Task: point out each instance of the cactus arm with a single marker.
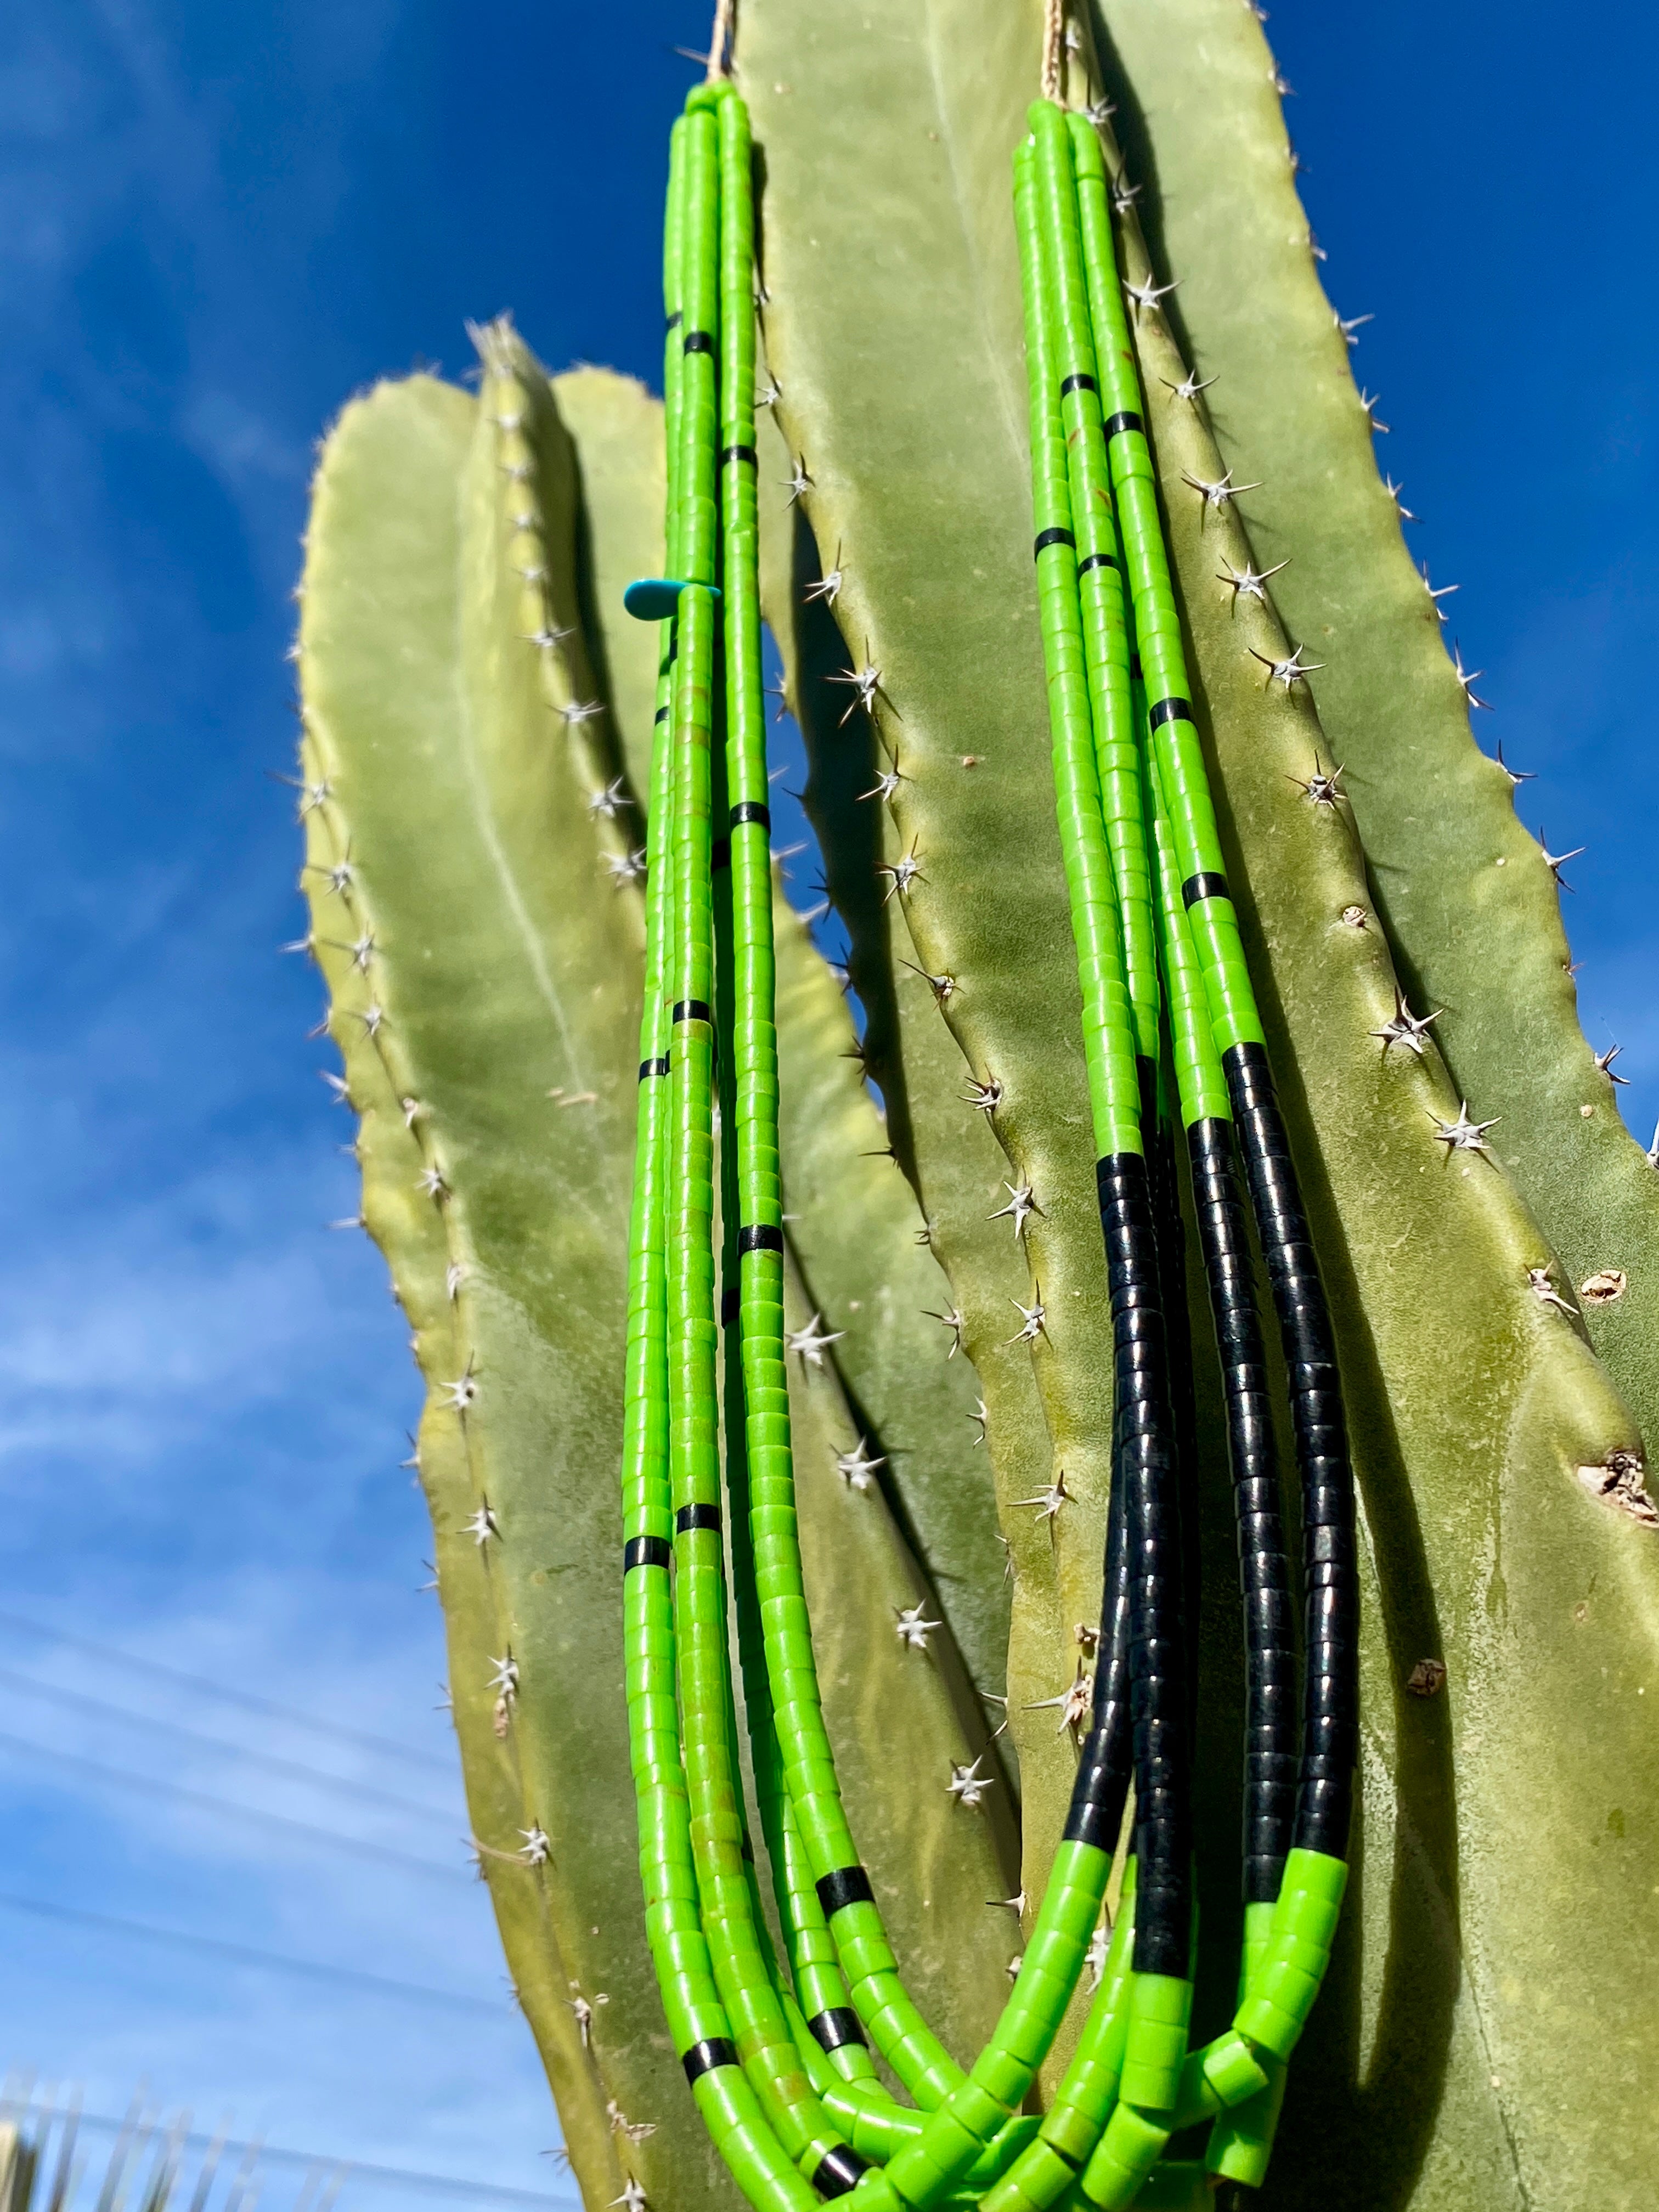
(1471, 910)
(387, 521)
(495, 965)
(1476, 1482)
(505, 990)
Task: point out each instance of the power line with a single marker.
(438, 2183)
(154, 1788)
(245, 1954)
(247, 1699)
(294, 1769)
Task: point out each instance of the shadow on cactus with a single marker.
(1173, 1423)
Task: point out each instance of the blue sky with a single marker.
(215, 224)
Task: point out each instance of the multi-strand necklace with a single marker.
(781, 2049)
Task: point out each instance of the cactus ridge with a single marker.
(1465, 893)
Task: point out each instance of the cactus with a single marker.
(1436, 818)
(475, 766)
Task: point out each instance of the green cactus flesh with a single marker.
(1469, 904)
(484, 985)
(1444, 2067)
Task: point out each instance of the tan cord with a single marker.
(719, 39)
(1054, 46)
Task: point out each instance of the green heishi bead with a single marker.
(1241, 2142)
(1200, 1084)
(1160, 2006)
(956, 2136)
(1213, 924)
(1042, 2175)
(739, 1949)
(1281, 1991)
(1128, 2151)
(1109, 1032)
(668, 1401)
(1099, 560)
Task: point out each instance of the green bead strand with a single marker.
(1109, 1032)
(697, 2019)
(1156, 620)
(749, 1078)
(1073, 387)
(1202, 1087)
(737, 1947)
(1049, 2169)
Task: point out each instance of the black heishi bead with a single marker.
(703, 2058)
(836, 2026)
(837, 2171)
(846, 1886)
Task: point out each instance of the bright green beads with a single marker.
(777, 2049)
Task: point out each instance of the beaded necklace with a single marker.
(778, 2049)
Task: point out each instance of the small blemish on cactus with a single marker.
(1606, 1284)
(1426, 1679)
(1617, 1481)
